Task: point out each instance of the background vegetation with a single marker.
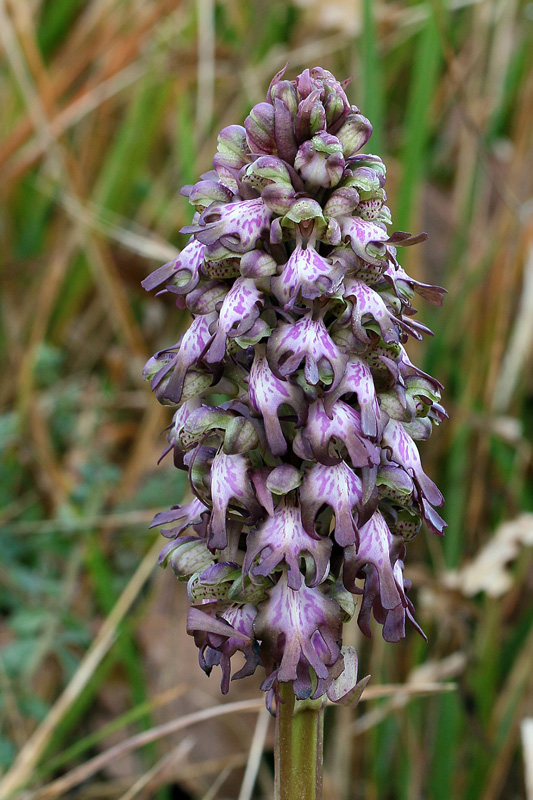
(108, 107)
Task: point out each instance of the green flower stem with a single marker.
(299, 747)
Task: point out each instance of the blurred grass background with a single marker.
(108, 107)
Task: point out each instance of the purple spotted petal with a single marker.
(237, 226)
(403, 451)
(299, 627)
(325, 435)
(338, 487)
(308, 273)
(375, 546)
(181, 275)
(366, 239)
(407, 370)
(267, 393)
(229, 482)
(191, 348)
(239, 312)
(358, 379)
(283, 538)
(367, 303)
(308, 339)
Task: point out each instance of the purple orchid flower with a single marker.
(306, 476)
(282, 537)
(307, 340)
(267, 393)
(307, 621)
(308, 274)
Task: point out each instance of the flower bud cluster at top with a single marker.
(297, 405)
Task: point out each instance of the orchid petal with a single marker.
(375, 545)
(240, 310)
(341, 489)
(308, 273)
(307, 339)
(229, 481)
(267, 393)
(182, 274)
(283, 538)
(358, 378)
(323, 434)
(287, 623)
(237, 226)
(368, 303)
(191, 349)
(405, 453)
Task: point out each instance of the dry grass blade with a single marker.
(37, 98)
(89, 768)
(520, 344)
(146, 782)
(75, 524)
(256, 753)
(30, 755)
(217, 784)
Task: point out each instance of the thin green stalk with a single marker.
(299, 748)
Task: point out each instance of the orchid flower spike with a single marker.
(306, 480)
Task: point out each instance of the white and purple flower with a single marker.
(307, 480)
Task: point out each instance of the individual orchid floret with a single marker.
(367, 304)
(307, 340)
(296, 406)
(181, 275)
(366, 239)
(374, 549)
(229, 482)
(191, 514)
(237, 226)
(186, 556)
(190, 350)
(299, 629)
(354, 133)
(404, 452)
(308, 274)
(219, 637)
(324, 436)
(358, 380)
(340, 488)
(240, 310)
(283, 538)
(267, 393)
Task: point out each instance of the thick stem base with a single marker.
(299, 747)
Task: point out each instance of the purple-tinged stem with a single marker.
(299, 747)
